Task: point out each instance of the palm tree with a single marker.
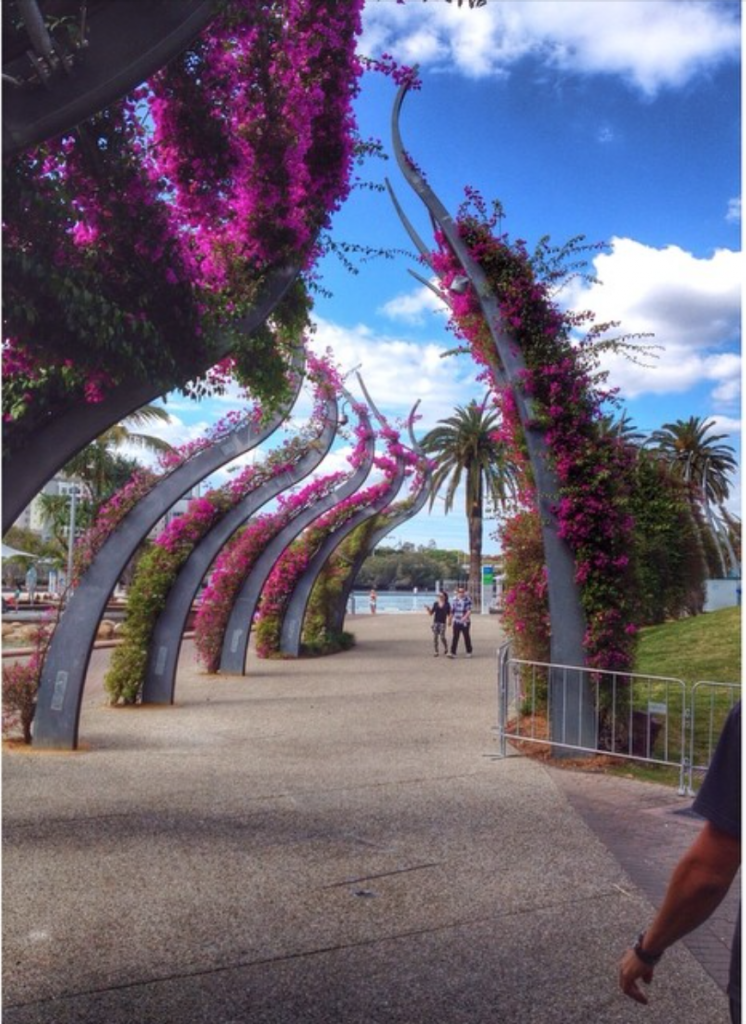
(101, 468)
(466, 449)
(621, 428)
(100, 464)
(697, 458)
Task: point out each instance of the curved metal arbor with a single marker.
(566, 612)
(238, 630)
(160, 673)
(25, 472)
(295, 613)
(49, 88)
(62, 681)
(339, 610)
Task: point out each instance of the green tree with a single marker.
(466, 449)
(101, 466)
(669, 560)
(100, 469)
(694, 455)
(406, 567)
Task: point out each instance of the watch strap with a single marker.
(648, 958)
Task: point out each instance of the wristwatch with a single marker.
(648, 958)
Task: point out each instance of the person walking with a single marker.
(460, 620)
(440, 612)
(373, 601)
(703, 875)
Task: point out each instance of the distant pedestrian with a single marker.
(373, 601)
(703, 875)
(460, 620)
(440, 612)
(32, 580)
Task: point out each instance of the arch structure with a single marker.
(573, 717)
(62, 680)
(160, 673)
(390, 520)
(51, 84)
(291, 631)
(26, 471)
(285, 530)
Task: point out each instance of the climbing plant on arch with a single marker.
(148, 655)
(544, 384)
(323, 624)
(229, 604)
(155, 239)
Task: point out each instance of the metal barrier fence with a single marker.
(710, 703)
(627, 715)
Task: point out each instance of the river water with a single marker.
(391, 601)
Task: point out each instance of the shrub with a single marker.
(20, 686)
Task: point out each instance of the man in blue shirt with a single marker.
(461, 621)
(703, 875)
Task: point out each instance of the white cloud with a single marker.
(692, 307)
(654, 45)
(726, 425)
(397, 372)
(176, 432)
(415, 306)
(733, 216)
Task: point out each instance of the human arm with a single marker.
(697, 886)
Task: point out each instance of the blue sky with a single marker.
(615, 119)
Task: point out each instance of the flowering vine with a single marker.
(295, 560)
(239, 556)
(146, 234)
(321, 634)
(142, 481)
(159, 567)
(566, 395)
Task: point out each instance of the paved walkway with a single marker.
(331, 840)
(647, 827)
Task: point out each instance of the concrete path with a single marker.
(323, 841)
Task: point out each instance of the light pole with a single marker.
(71, 538)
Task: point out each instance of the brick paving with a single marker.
(647, 827)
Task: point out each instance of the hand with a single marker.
(632, 970)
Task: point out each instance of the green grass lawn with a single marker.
(703, 647)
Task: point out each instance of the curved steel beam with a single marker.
(60, 695)
(442, 295)
(295, 613)
(238, 630)
(127, 47)
(410, 228)
(567, 618)
(26, 471)
(163, 660)
(61, 438)
(339, 610)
